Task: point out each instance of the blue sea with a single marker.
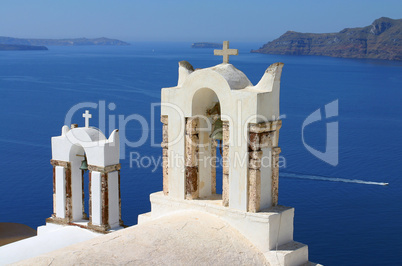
(343, 223)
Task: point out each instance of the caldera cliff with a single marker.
(380, 40)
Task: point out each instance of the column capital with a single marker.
(60, 163)
(164, 119)
(104, 169)
(265, 126)
(276, 151)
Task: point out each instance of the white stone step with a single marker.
(290, 254)
(48, 228)
(144, 217)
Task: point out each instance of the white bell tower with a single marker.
(223, 98)
(80, 149)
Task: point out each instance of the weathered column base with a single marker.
(98, 228)
(191, 182)
(225, 190)
(57, 220)
(104, 229)
(254, 188)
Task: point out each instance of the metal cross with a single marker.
(225, 52)
(87, 116)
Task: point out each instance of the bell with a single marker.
(217, 130)
(84, 165)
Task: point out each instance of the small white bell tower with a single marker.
(80, 149)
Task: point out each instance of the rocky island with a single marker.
(61, 42)
(380, 40)
(17, 47)
(206, 45)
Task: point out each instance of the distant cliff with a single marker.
(17, 47)
(206, 45)
(61, 42)
(381, 40)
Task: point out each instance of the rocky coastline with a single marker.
(61, 42)
(380, 40)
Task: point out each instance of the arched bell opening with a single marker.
(79, 184)
(204, 172)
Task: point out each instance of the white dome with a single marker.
(86, 134)
(236, 79)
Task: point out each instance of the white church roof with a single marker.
(237, 79)
(88, 134)
(185, 238)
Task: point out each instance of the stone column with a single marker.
(69, 200)
(275, 151)
(165, 154)
(254, 173)
(275, 174)
(263, 136)
(225, 160)
(105, 201)
(103, 174)
(191, 158)
(68, 214)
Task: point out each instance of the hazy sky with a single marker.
(191, 20)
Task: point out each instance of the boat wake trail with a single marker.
(332, 179)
